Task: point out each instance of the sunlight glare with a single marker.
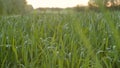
(57, 3)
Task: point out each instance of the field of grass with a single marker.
(56, 40)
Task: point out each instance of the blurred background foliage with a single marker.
(11, 7)
(8, 7)
(96, 5)
(104, 3)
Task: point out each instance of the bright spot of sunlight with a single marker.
(57, 3)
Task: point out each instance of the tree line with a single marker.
(97, 5)
(105, 3)
(14, 7)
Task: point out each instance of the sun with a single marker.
(57, 3)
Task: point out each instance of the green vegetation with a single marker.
(60, 40)
(12, 7)
(105, 3)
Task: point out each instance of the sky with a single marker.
(57, 3)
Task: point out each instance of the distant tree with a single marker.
(29, 8)
(93, 6)
(113, 4)
(97, 3)
(1, 9)
(80, 8)
(12, 6)
(104, 3)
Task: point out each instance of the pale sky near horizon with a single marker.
(57, 3)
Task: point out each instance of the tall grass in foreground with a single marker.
(48, 40)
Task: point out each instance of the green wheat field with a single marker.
(60, 40)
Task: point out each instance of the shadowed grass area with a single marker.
(71, 40)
